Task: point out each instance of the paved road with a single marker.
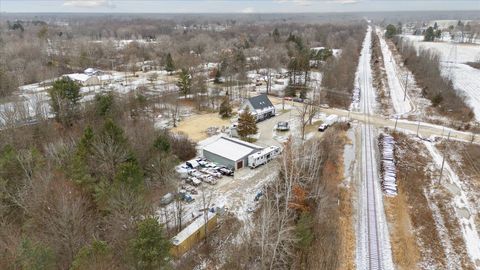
(425, 130)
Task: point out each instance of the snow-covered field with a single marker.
(449, 51)
(454, 56)
(466, 79)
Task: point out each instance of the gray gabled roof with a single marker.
(260, 102)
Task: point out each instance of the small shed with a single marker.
(260, 106)
(192, 234)
(230, 152)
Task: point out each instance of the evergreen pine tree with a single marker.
(247, 124)
(64, 98)
(429, 34)
(169, 65)
(218, 74)
(391, 31)
(150, 247)
(225, 108)
(184, 82)
(276, 35)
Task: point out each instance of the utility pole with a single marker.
(443, 161)
(406, 86)
(418, 127)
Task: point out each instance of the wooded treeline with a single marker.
(81, 194)
(339, 73)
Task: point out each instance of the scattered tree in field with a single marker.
(276, 35)
(42, 33)
(185, 82)
(64, 98)
(435, 26)
(152, 78)
(390, 31)
(150, 247)
(225, 108)
(247, 124)
(429, 34)
(169, 65)
(218, 75)
(200, 90)
(399, 28)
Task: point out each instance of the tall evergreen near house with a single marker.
(247, 124)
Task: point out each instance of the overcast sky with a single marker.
(230, 6)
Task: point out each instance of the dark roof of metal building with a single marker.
(260, 102)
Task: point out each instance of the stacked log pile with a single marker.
(388, 168)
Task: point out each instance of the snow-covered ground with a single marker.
(449, 51)
(466, 79)
(464, 212)
(401, 101)
(453, 58)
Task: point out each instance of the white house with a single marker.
(84, 79)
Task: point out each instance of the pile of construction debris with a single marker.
(388, 169)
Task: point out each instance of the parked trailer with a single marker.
(263, 156)
(331, 119)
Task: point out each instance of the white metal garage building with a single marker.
(230, 152)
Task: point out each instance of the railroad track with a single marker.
(369, 172)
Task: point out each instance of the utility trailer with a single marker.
(263, 156)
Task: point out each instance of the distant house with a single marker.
(260, 106)
(91, 71)
(84, 79)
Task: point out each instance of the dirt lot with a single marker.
(195, 126)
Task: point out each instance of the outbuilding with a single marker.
(192, 234)
(230, 152)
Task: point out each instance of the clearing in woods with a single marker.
(195, 126)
